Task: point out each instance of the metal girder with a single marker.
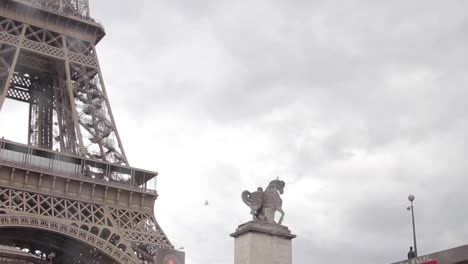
(73, 178)
(18, 94)
(86, 119)
(79, 8)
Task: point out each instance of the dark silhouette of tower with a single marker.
(70, 189)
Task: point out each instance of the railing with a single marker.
(75, 8)
(48, 160)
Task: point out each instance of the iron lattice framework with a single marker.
(79, 8)
(59, 76)
(72, 180)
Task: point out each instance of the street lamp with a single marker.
(411, 208)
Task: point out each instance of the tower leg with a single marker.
(8, 58)
(73, 108)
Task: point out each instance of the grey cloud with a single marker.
(356, 103)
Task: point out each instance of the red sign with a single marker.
(170, 259)
(430, 262)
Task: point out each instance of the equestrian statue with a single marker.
(264, 204)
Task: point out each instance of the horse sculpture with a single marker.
(264, 204)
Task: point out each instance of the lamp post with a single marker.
(411, 208)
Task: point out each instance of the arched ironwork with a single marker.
(35, 222)
(114, 252)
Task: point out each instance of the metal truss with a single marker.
(84, 236)
(71, 111)
(7, 53)
(113, 230)
(79, 8)
(73, 178)
(139, 227)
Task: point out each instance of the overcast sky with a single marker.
(354, 104)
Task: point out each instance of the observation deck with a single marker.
(62, 16)
(75, 167)
(77, 8)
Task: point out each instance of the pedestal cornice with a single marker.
(265, 228)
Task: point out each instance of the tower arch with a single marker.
(58, 236)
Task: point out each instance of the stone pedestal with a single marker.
(262, 243)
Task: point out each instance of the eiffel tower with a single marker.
(69, 195)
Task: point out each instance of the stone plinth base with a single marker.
(262, 243)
